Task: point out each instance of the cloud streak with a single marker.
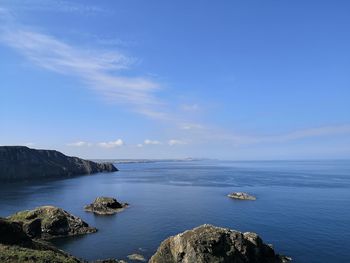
(99, 69)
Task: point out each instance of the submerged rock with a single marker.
(241, 196)
(105, 206)
(48, 222)
(209, 244)
(136, 257)
(23, 163)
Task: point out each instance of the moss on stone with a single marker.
(16, 254)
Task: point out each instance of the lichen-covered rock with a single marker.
(136, 257)
(209, 244)
(105, 206)
(241, 196)
(22, 163)
(54, 222)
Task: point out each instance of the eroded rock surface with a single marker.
(241, 196)
(209, 244)
(105, 206)
(48, 222)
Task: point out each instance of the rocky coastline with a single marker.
(18, 163)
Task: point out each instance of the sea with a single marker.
(302, 207)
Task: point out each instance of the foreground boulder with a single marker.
(105, 206)
(209, 244)
(48, 222)
(17, 247)
(22, 163)
(241, 196)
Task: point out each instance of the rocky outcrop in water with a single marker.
(241, 196)
(105, 206)
(23, 163)
(210, 244)
(17, 247)
(48, 222)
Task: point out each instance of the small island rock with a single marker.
(241, 196)
(48, 222)
(105, 206)
(136, 257)
(209, 244)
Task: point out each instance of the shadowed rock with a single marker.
(23, 163)
(241, 196)
(48, 222)
(209, 244)
(105, 206)
(17, 247)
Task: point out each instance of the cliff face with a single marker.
(20, 162)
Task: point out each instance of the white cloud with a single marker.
(139, 145)
(151, 142)
(29, 144)
(111, 144)
(79, 144)
(173, 142)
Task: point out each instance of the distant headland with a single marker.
(23, 163)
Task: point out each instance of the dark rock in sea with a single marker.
(105, 206)
(23, 163)
(209, 244)
(48, 222)
(17, 247)
(241, 196)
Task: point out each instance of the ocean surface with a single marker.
(302, 207)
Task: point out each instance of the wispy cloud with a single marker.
(111, 144)
(57, 6)
(190, 107)
(151, 142)
(100, 70)
(173, 142)
(79, 144)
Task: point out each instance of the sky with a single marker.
(235, 79)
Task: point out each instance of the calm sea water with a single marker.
(302, 207)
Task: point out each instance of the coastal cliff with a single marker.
(23, 163)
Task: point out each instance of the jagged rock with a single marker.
(54, 222)
(23, 163)
(136, 257)
(209, 244)
(241, 196)
(105, 206)
(17, 247)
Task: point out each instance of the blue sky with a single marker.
(174, 79)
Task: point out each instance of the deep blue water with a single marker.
(302, 207)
